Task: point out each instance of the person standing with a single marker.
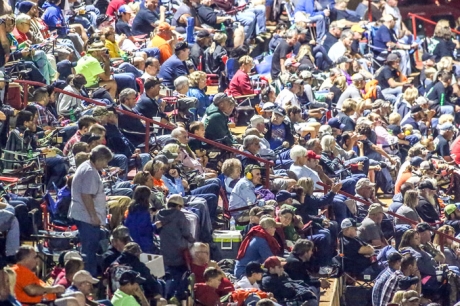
(88, 206)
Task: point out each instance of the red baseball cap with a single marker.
(272, 262)
(312, 154)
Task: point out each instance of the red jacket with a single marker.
(240, 85)
(206, 295)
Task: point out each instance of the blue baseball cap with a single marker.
(335, 123)
(125, 9)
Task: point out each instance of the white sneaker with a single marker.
(325, 270)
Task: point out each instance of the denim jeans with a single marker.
(121, 161)
(8, 222)
(392, 94)
(210, 193)
(90, 236)
(361, 159)
(322, 60)
(248, 20)
(34, 73)
(152, 52)
(320, 21)
(144, 159)
(259, 12)
(125, 80)
(129, 68)
(349, 184)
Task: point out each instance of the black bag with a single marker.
(355, 295)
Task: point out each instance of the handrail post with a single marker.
(414, 32)
(267, 175)
(25, 98)
(147, 137)
(369, 10)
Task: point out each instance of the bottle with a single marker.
(30, 154)
(72, 116)
(232, 224)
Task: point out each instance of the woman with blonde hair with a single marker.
(197, 86)
(305, 57)
(403, 107)
(408, 208)
(214, 63)
(444, 44)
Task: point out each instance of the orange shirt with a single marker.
(24, 278)
(166, 50)
(404, 177)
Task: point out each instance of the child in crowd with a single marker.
(206, 293)
(197, 146)
(254, 217)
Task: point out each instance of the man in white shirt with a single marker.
(341, 47)
(289, 94)
(303, 159)
(253, 275)
(152, 67)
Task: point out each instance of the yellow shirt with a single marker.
(114, 50)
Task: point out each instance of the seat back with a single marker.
(231, 67)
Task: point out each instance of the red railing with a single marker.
(442, 235)
(413, 18)
(149, 121)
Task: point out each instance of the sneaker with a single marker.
(259, 39)
(326, 270)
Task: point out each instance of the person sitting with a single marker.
(150, 13)
(428, 206)
(356, 253)
(130, 257)
(83, 282)
(315, 15)
(200, 262)
(89, 65)
(297, 266)
(71, 267)
(203, 41)
(68, 105)
(163, 40)
(288, 96)
(240, 85)
(370, 230)
(130, 291)
(175, 65)
(258, 245)
(152, 67)
(206, 293)
(278, 130)
(216, 119)
(391, 80)
(446, 134)
(148, 104)
(119, 239)
(253, 275)
(9, 224)
(243, 194)
(452, 214)
(29, 289)
(276, 281)
(341, 47)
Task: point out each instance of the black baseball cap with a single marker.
(254, 267)
(393, 257)
(131, 277)
(426, 184)
(421, 227)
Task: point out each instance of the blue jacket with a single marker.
(203, 100)
(54, 18)
(307, 6)
(141, 230)
(258, 250)
(171, 69)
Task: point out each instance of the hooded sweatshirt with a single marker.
(54, 18)
(216, 126)
(174, 236)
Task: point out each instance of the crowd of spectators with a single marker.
(345, 162)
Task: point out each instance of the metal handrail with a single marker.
(412, 222)
(266, 162)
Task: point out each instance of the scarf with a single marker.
(258, 231)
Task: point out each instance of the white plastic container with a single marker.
(228, 242)
(154, 263)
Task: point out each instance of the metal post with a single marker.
(147, 137)
(414, 32)
(369, 10)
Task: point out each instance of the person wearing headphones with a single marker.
(243, 194)
(288, 96)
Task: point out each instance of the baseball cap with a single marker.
(357, 28)
(102, 18)
(100, 111)
(344, 59)
(283, 195)
(88, 137)
(279, 111)
(268, 106)
(203, 34)
(392, 57)
(249, 168)
(311, 154)
(120, 232)
(291, 62)
(220, 97)
(394, 129)
(84, 276)
(421, 227)
(305, 74)
(426, 184)
(357, 77)
(72, 255)
(176, 199)
(426, 165)
(349, 222)
(257, 119)
(125, 9)
(171, 156)
(130, 277)
(254, 267)
(405, 283)
(449, 209)
(421, 100)
(415, 109)
(272, 262)
(393, 257)
(388, 17)
(335, 123)
(445, 126)
(375, 209)
(182, 45)
(364, 182)
(416, 161)
(428, 56)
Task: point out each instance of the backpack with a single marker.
(114, 273)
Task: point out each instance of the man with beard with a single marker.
(446, 132)
(428, 205)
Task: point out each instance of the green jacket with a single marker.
(216, 126)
